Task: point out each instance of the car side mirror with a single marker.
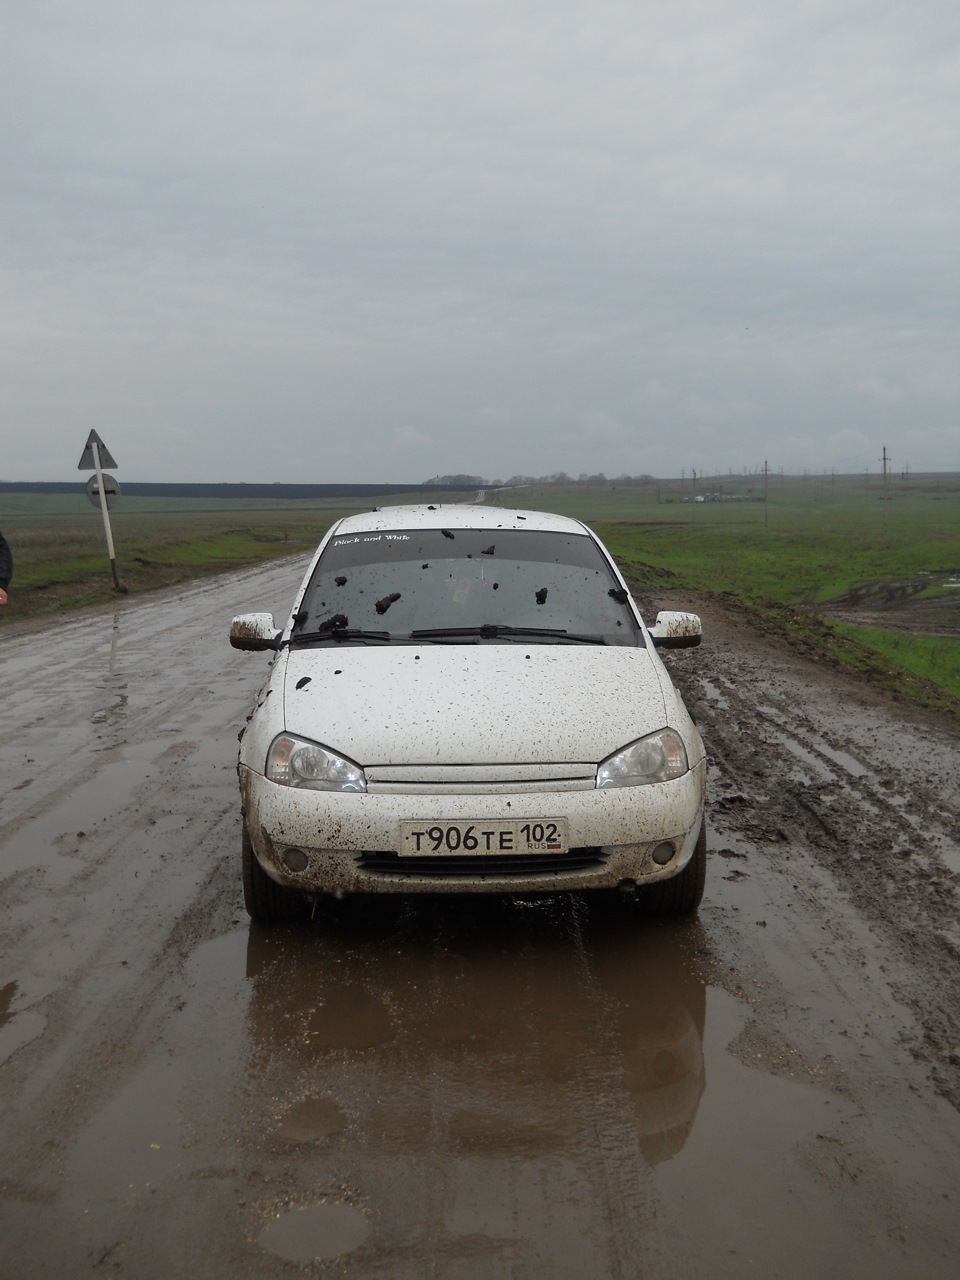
(254, 632)
(676, 630)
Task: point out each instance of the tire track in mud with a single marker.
(804, 759)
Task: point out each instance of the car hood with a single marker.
(472, 704)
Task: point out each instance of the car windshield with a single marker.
(464, 586)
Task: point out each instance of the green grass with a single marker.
(929, 657)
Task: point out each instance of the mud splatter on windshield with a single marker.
(440, 578)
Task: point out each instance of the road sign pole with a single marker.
(95, 448)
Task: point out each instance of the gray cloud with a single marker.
(361, 241)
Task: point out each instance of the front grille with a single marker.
(494, 865)
(379, 787)
(480, 779)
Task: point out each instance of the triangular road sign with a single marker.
(87, 462)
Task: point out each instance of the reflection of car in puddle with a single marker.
(493, 1030)
(660, 1009)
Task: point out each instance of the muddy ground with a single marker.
(925, 604)
(472, 1088)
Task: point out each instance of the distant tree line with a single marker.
(461, 481)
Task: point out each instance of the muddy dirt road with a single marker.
(468, 1088)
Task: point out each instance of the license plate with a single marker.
(517, 836)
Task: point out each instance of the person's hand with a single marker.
(3, 596)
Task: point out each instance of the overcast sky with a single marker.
(357, 240)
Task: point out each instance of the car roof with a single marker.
(458, 515)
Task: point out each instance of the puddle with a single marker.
(301, 1000)
(753, 1207)
(480, 1133)
(315, 1233)
(819, 772)
(349, 1017)
(310, 1120)
(715, 694)
(845, 761)
(115, 710)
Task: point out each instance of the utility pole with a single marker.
(885, 461)
(766, 472)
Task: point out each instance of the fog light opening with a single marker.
(663, 853)
(295, 860)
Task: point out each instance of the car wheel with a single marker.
(682, 894)
(265, 900)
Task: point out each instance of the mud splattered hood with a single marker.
(472, 703)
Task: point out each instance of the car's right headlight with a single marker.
(298, 762)
(658, 757)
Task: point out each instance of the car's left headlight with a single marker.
(658, 757)
(298, 762)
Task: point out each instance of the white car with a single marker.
(465, 699)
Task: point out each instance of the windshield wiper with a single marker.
(496, 630)
(340, 635)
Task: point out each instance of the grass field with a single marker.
(931, 658)
(783, 541)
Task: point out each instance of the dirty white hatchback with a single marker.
(465, 699)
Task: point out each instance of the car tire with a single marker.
(682, 894)
(265, 900)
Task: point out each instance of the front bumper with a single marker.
(349, 842)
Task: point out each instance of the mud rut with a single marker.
(470, 1083)
(809, 764)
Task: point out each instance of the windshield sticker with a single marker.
(371, 537)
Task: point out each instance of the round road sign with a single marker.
(110, 487)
